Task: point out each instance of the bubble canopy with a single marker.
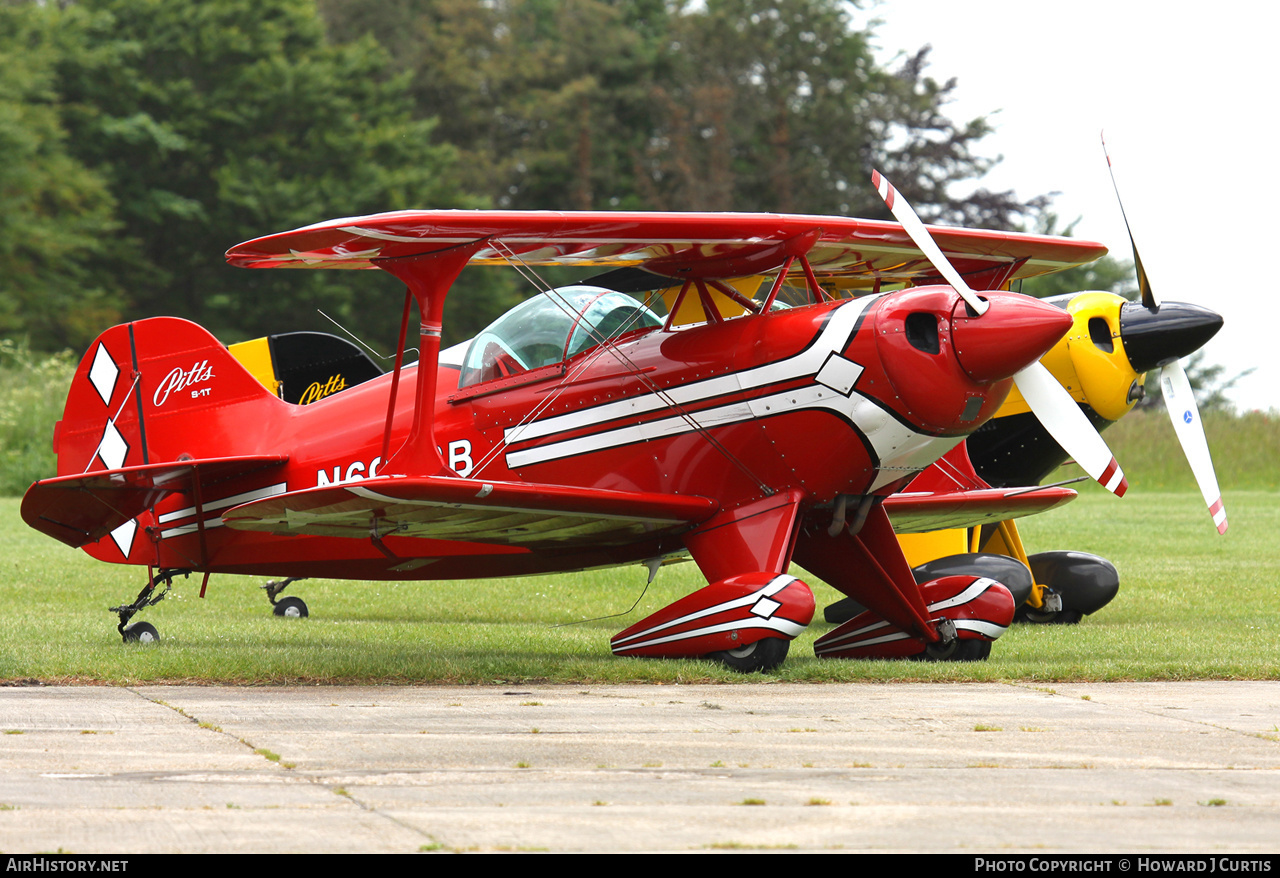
(549, 328)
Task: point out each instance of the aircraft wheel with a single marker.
(842, 611)
(141, 632)
(1087, 583)
(957, 650)
(290, 608)
(763, 655)
(1009, 572)
(1040, 617)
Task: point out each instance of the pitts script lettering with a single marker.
(179, 379)
(319, 391)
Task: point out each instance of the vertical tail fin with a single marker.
(156, 408)
(156, 391)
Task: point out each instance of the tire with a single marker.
(141, 632)
(842, 611)
(1086, 582)
(763, 655)
(958, 650)
(290, 608)
(1040, 617)
(1009, 572)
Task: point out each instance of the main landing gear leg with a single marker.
(286, 608)
(144, 632)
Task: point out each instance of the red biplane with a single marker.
(583, 429)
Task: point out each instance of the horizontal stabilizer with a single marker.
(472, 510)
(81, 509)
(919, 512)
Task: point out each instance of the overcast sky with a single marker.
(1185, 93)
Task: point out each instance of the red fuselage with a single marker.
(834, 398)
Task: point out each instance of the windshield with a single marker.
(549, 328)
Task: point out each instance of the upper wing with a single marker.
(923, 511)
(709, 244)
(472, 510)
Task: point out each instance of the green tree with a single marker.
(765, 106)
(546, 100)
(54, 212)
(222, 120)
(645, 104)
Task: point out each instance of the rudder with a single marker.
(158, 390)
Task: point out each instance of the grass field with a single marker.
(1192, 605)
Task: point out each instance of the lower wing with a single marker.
(448, 508)
(923, 511)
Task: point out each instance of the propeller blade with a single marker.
(1185, 416)
(1048, 400)
(1144, 284)
(1069, 426)
(1179, 401)
(902, 212)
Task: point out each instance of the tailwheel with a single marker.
(290, 608)
(141, 632)
(144, 632)
(285, 608)
(763, 655)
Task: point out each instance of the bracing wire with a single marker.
(514, 260)
(360, 341)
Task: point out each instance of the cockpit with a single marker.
(551, 328)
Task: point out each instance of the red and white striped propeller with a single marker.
(1050, 402)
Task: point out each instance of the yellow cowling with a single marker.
(1089, 361)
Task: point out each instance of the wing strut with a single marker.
(428, 277)
(395, 377)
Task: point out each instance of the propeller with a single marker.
(920, 236)
(1050, 402)
(1175, 387)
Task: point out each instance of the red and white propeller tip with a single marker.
(1049, 400)
(1180, 402)
(902, 212)
(1058, 412)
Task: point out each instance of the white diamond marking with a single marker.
(112, 449)
(123, 536)
(840, 374)
(765, 607)
(103, 374)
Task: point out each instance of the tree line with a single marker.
(139, 139)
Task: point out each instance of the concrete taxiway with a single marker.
(963, 768)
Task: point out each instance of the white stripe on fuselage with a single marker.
(899, 448)
(833, 337)
(212, 521)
